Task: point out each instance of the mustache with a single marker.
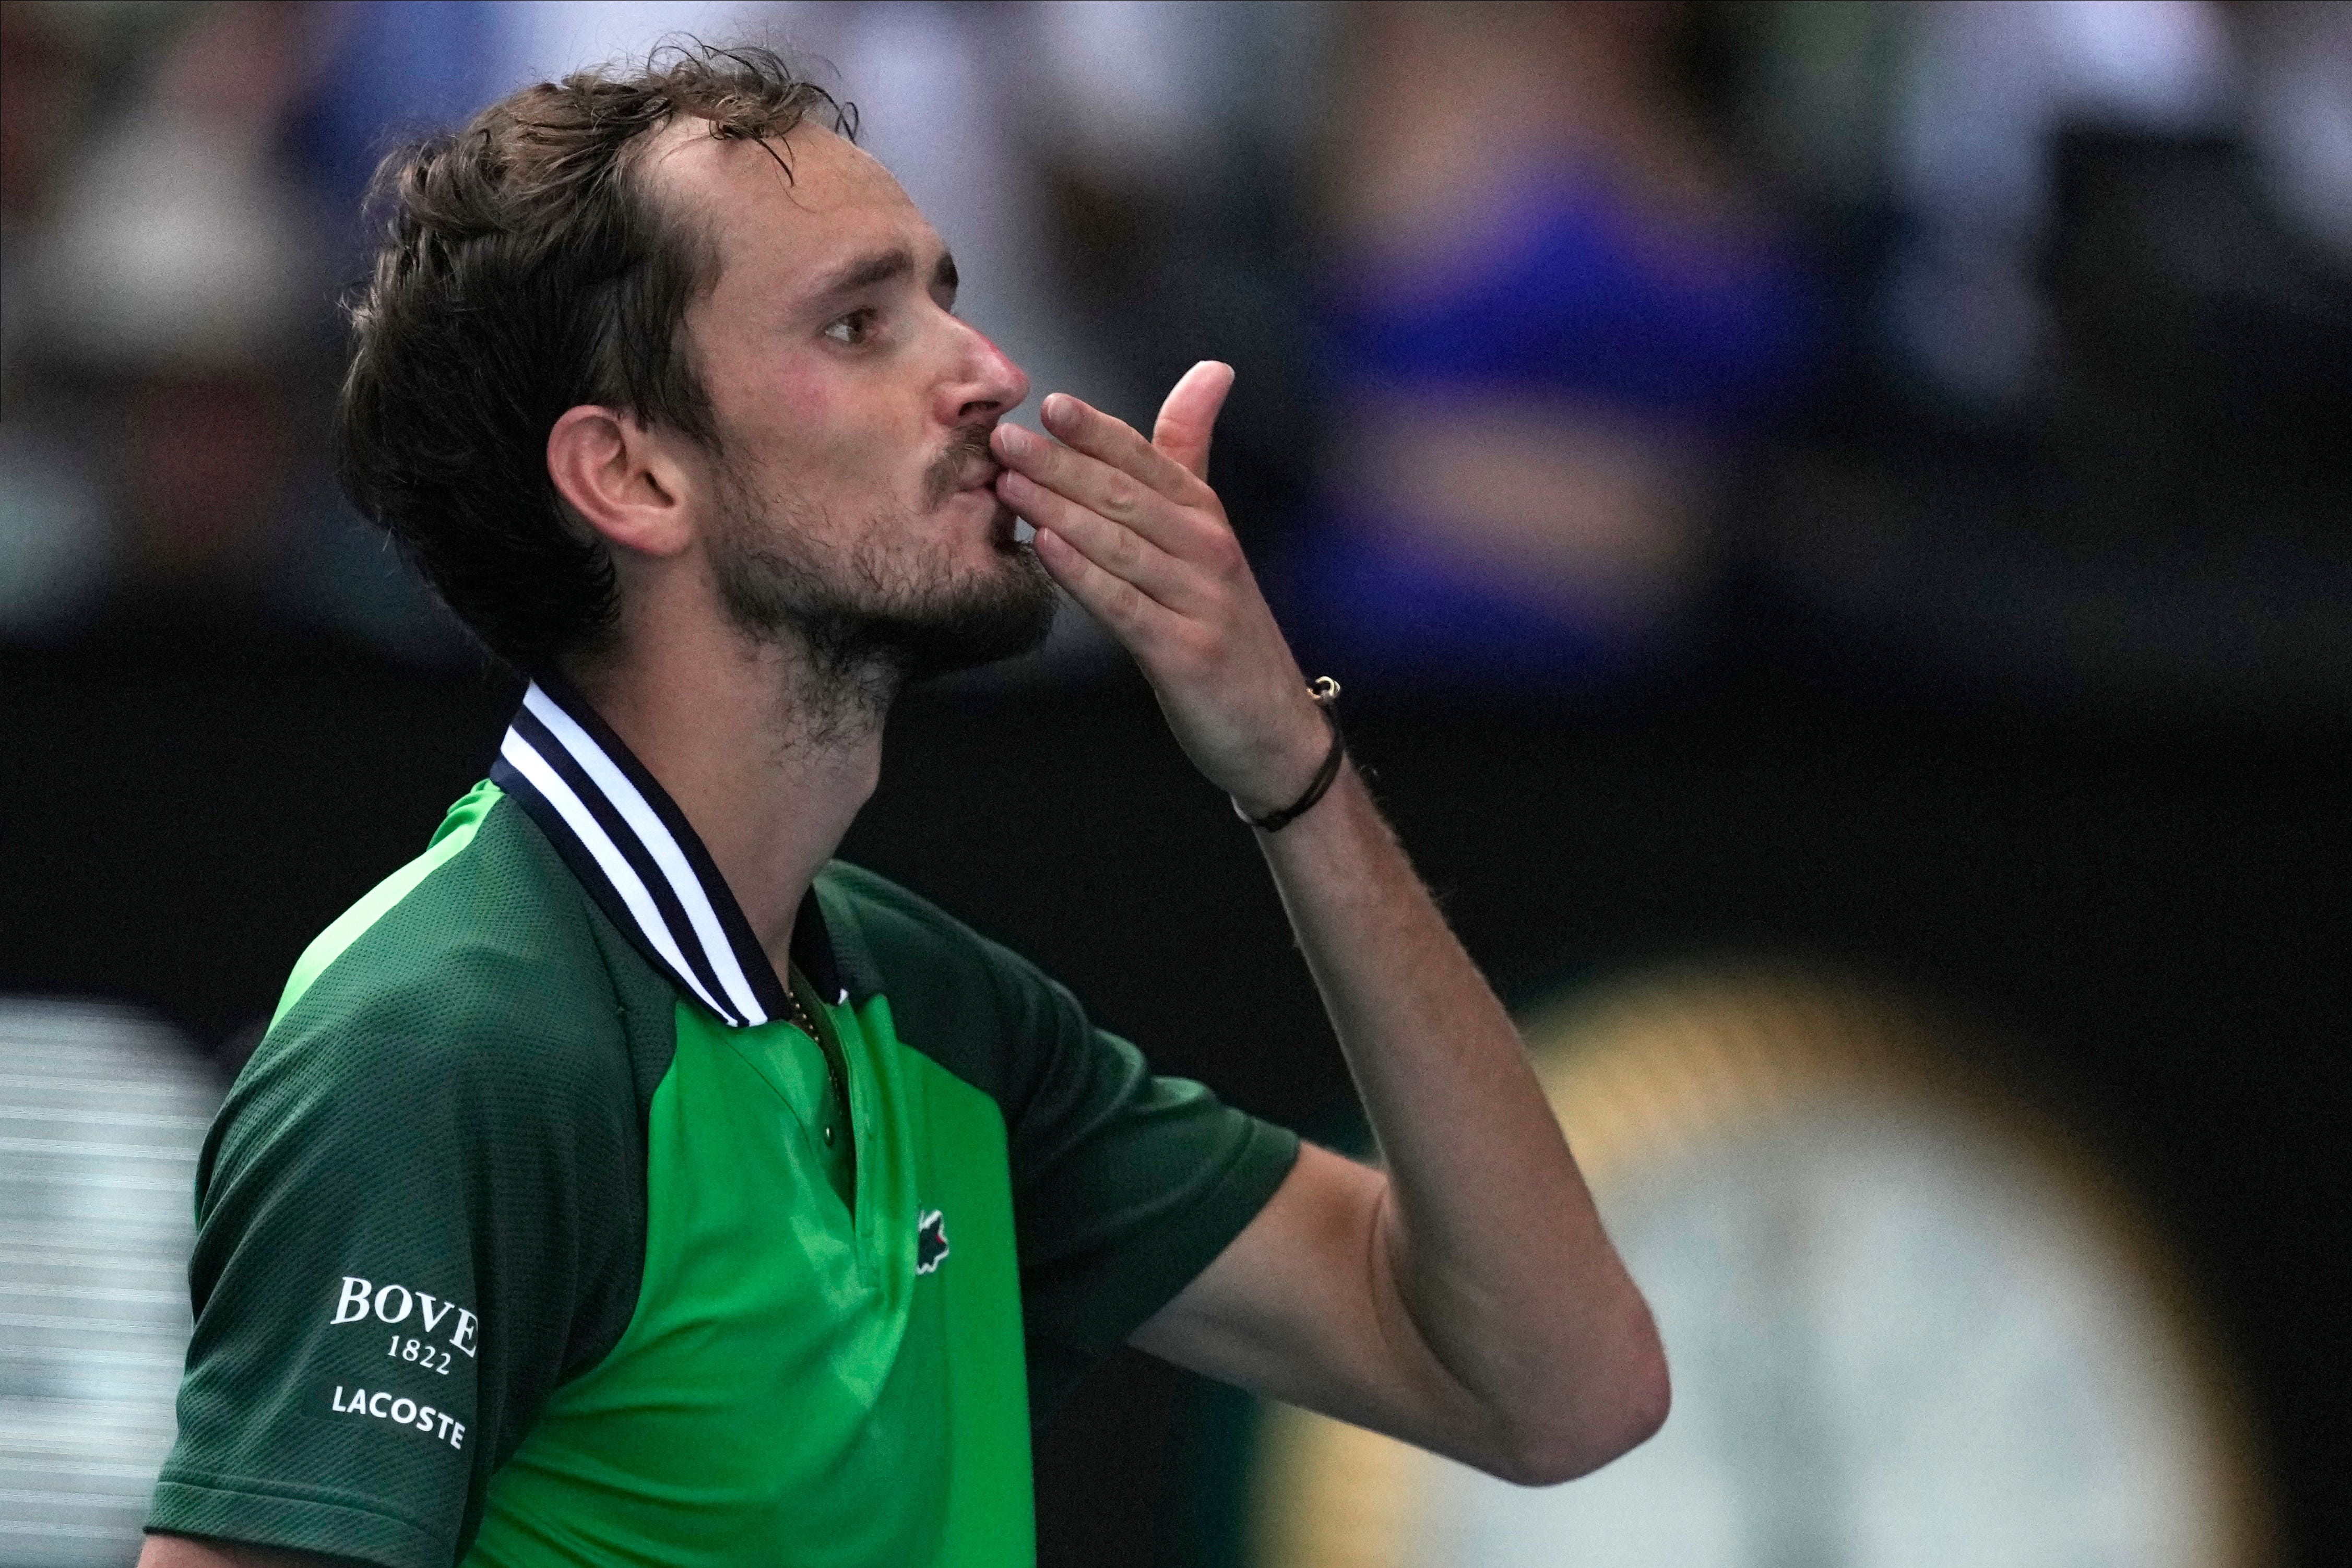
(966, 450)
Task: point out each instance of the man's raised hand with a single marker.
(1132, 529)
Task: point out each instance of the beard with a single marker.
(871, 620)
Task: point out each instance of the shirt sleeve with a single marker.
(1126, 1184)
(414, 1220)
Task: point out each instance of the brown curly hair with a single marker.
(525, 269)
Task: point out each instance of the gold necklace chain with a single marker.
(833, 1069)
(800, 1014)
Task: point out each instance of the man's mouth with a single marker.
(966, 465)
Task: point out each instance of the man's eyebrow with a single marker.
(865, 272)
(881, 267)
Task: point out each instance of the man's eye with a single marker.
(853, 329)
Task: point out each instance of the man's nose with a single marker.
(986, 380)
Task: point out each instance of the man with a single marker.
(625, 1179)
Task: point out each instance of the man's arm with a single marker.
(1468, 1299)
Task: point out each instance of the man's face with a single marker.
(852, 504)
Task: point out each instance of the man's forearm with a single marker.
(1469, 1301)
(1487, 1233)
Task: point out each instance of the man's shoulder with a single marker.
(899, 943)
(481, 959)
(972, 1003)
(887, 915)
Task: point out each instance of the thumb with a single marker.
(1188, 417)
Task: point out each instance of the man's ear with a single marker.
(621, 480)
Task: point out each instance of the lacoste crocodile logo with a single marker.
(930, 1240)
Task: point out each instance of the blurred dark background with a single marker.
(1864, 483)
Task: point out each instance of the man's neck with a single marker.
(768, 767)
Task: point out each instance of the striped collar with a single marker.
(633, 850)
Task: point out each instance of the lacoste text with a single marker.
(401, 1412)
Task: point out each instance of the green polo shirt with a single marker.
(521, 1241)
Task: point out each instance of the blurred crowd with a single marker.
(2006, 340)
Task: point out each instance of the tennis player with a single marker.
(627, 1180)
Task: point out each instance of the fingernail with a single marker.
(1056, 409)
(1015, 441)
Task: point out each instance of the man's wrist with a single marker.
(1270, 813)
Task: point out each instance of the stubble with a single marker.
(877, 614)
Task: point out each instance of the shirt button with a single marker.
(828, 1137)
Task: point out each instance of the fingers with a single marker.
(1178, 527)
(1118, 444)
(1131, 615)
(1110, 503)
(1125, 552)
(1188, 417)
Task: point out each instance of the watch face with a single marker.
(1908, 1324)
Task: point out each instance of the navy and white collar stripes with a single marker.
(633, 848)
